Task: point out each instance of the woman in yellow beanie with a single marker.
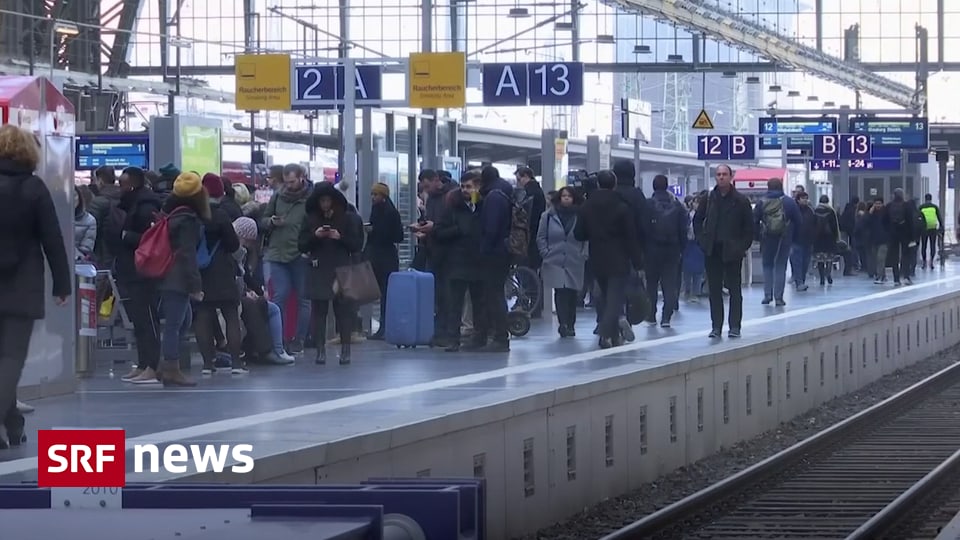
(187, 207)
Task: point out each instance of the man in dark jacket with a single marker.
(666, 234)
(107, 199)
(848, 224)
(139, 207)
(430, 256)
(802, 250)
(724, 228)
(777, 217)
(901, 216)
(627, 186)
(496, 207)
(532, 197)
(605, 221)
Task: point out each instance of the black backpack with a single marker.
(823, 224)
(664, 220)
(897, 210)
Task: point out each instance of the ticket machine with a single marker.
(35, 104)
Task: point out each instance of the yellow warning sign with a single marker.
(703, 121)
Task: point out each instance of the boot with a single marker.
(15, 430)
(170, 375)
(345, 352)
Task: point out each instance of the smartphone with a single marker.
(325, 227)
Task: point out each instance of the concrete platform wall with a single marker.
(549, 455)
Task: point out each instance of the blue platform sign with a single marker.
(902, 133)
(856, 165)
(856, 146)
(538, 83)
(726, 147)
(505, 85)
(321, 86)
(676, 189)
(555, 83)
(799, 131)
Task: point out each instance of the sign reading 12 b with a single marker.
(726, 147)
(543, 83)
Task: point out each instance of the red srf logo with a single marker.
(81, 458)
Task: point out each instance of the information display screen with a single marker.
(799, 131)
(200, 149)
(116, 150)
(905, 133)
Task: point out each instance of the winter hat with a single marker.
(214, 185)
(169, 171)
(187, 185)
(380, 189)
(246, 228)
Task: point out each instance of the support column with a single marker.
(593, 153)
(940, 32)
(841, 191)
(956, 193)
(348, 118)
(428, 125)
(943, 158)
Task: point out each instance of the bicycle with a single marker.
(523, 291)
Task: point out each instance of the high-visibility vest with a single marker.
(930, 216)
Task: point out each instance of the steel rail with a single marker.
(755, 474)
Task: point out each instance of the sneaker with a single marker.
(734, 333)
(626, 331)
(24, 408)
(897, 284)
(665, 323)
(239, 369)
(878, 282)
(288, 358)
(908, 281)
(148, 376)
(766, 301)
(295, 346)
(715, 333)
(208, 369)
(780, 303)
(133, 374)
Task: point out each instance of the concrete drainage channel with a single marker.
(607, 517)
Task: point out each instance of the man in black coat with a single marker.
(107, 199)
(724, 229)
(138, 210)
(607, 222)
(666, 234)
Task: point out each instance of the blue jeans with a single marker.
(774, 252)
(799, 263)
(178, 317)
(275, 320)
(287, 278)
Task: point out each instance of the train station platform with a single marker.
(554, 425)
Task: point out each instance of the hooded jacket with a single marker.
(606, 221)
(328, 254)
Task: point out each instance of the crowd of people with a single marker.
(233, 263)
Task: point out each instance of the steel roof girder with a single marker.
(781, 50)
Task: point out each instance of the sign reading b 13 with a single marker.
(828, 147)
(726, 147)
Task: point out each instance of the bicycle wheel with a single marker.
(526, 288)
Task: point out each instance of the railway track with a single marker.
(893, 469)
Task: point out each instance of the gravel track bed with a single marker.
(612, 514)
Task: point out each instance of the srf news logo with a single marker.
(98, 458)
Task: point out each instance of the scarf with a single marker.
(289, 196)
(568, 216)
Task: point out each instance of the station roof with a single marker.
(500, 146)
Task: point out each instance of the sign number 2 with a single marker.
(316, 76)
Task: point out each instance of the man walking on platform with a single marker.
(666, 234)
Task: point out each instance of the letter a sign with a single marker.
(703, 121)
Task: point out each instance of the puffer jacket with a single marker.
(84, 235)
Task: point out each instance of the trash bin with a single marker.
(86, 318)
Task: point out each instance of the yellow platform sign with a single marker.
(263, 82)
(437, 80)
(703, 121)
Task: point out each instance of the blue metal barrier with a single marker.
(380, 509)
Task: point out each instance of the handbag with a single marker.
(638, 303)
(356, 282)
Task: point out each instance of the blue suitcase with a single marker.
(410, 309)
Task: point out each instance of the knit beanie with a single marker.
(214, 185)
(380, 189)
(187, 185)
(246, 228)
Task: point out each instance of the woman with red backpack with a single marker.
(184, 212)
